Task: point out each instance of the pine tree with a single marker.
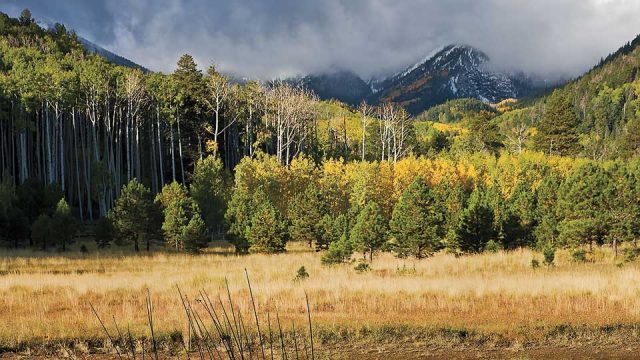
(136, 217)
(305, 215)
(417, 222)
(63, 225)
(369, 232)
(179, 210)
(558, 129)
(194, 235)
(584, 216)
(41, 231)
(546, 230)
(332, 230)
(476, 227)
(209, 190)
(267, 232)
(25, 17)
(104, 232)
(339, 251)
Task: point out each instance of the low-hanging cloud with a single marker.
(275, 38)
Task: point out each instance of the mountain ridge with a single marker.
(449, 72)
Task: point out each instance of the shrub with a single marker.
(362, 267)
(492, 247)
(301, 274)
(579, 255)
(549, 253)
(339, 252)
(631, 255)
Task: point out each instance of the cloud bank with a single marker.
(274, 38)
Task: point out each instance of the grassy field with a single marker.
(491, 299)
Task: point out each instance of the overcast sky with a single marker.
(271, 38)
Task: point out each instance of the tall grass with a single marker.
(224, 335)
(46, 299)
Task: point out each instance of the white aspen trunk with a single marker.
(180, 151)
(48, 142)
(161, 159)
(75, 146)
(60, 132)
(173, 157)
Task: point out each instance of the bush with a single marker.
(631, 255)
(549, 253)
(579, 255)
(492, 247)
(535, 263)
(362, 267)
(339, 252)
(301, 274)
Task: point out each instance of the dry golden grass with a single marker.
(44, 299)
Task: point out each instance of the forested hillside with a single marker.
(178, 159)
(595, 116)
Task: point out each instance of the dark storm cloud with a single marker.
(268, 38)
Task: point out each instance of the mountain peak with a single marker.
(450, 72)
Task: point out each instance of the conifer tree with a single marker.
(369, 231)
(63, 225)
(584, 217)
(417, 222)
(194, 235)
(104, 232)
(305, 215)
(476, 227)
(558, 129)
(332, 230)
(41, 231)
(209, 190)
(136, 217)
(546, 231)
(268, 231)
(181, 211)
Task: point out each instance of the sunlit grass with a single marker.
(45, 298)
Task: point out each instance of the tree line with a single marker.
(412, 208)
(178, 159)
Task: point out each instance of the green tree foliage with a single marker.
(63, 225)
(519, 220)
(306, 215)
(333, 229)
(339, 251)
(210, 191)
(369, 232)
(558, 131)
(417, 222)
(136, 217)
(25, 17)
(182, 219)
(547, 220)
(476, 227)
(455, 111)
(581, 201)
(104, 232)
(41, 232)
(194, 235)
(267, 232)
(484, 135)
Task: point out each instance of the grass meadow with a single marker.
(493, 299)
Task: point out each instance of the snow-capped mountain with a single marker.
(452, 72)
